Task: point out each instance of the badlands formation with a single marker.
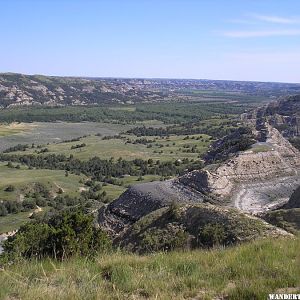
(253, 181)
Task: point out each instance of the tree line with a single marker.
(102, 169)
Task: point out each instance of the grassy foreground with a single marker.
(250, 271)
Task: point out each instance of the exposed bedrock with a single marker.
(267, 195)
(141, 199)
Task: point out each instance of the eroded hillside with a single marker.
(25, 90)
(261, 178)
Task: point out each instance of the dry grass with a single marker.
(249, 271)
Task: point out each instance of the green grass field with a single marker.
(172, 148)
(23, 177)
(247, 272)
(162, 149)
(52, 132)
(54, 179)
(13, 128)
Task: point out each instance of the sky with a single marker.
(202, 39)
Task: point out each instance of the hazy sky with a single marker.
(213, 39)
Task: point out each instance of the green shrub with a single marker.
(173, 211)
(62, 236)
(167, 239)
(28, 204)
(211, 235)
(3, 210)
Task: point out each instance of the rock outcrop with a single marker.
(141, 199)
(283, 114)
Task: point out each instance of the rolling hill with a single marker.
(21, 90)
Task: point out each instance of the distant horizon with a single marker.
(149, 78)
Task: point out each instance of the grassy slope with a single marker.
(13, 221)
(22, 178)
(288, 219)
(187, 225)
(250, 271)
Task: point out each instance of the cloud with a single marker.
(243, 21)
(275, 19)
(261, 33)
(254, 19)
